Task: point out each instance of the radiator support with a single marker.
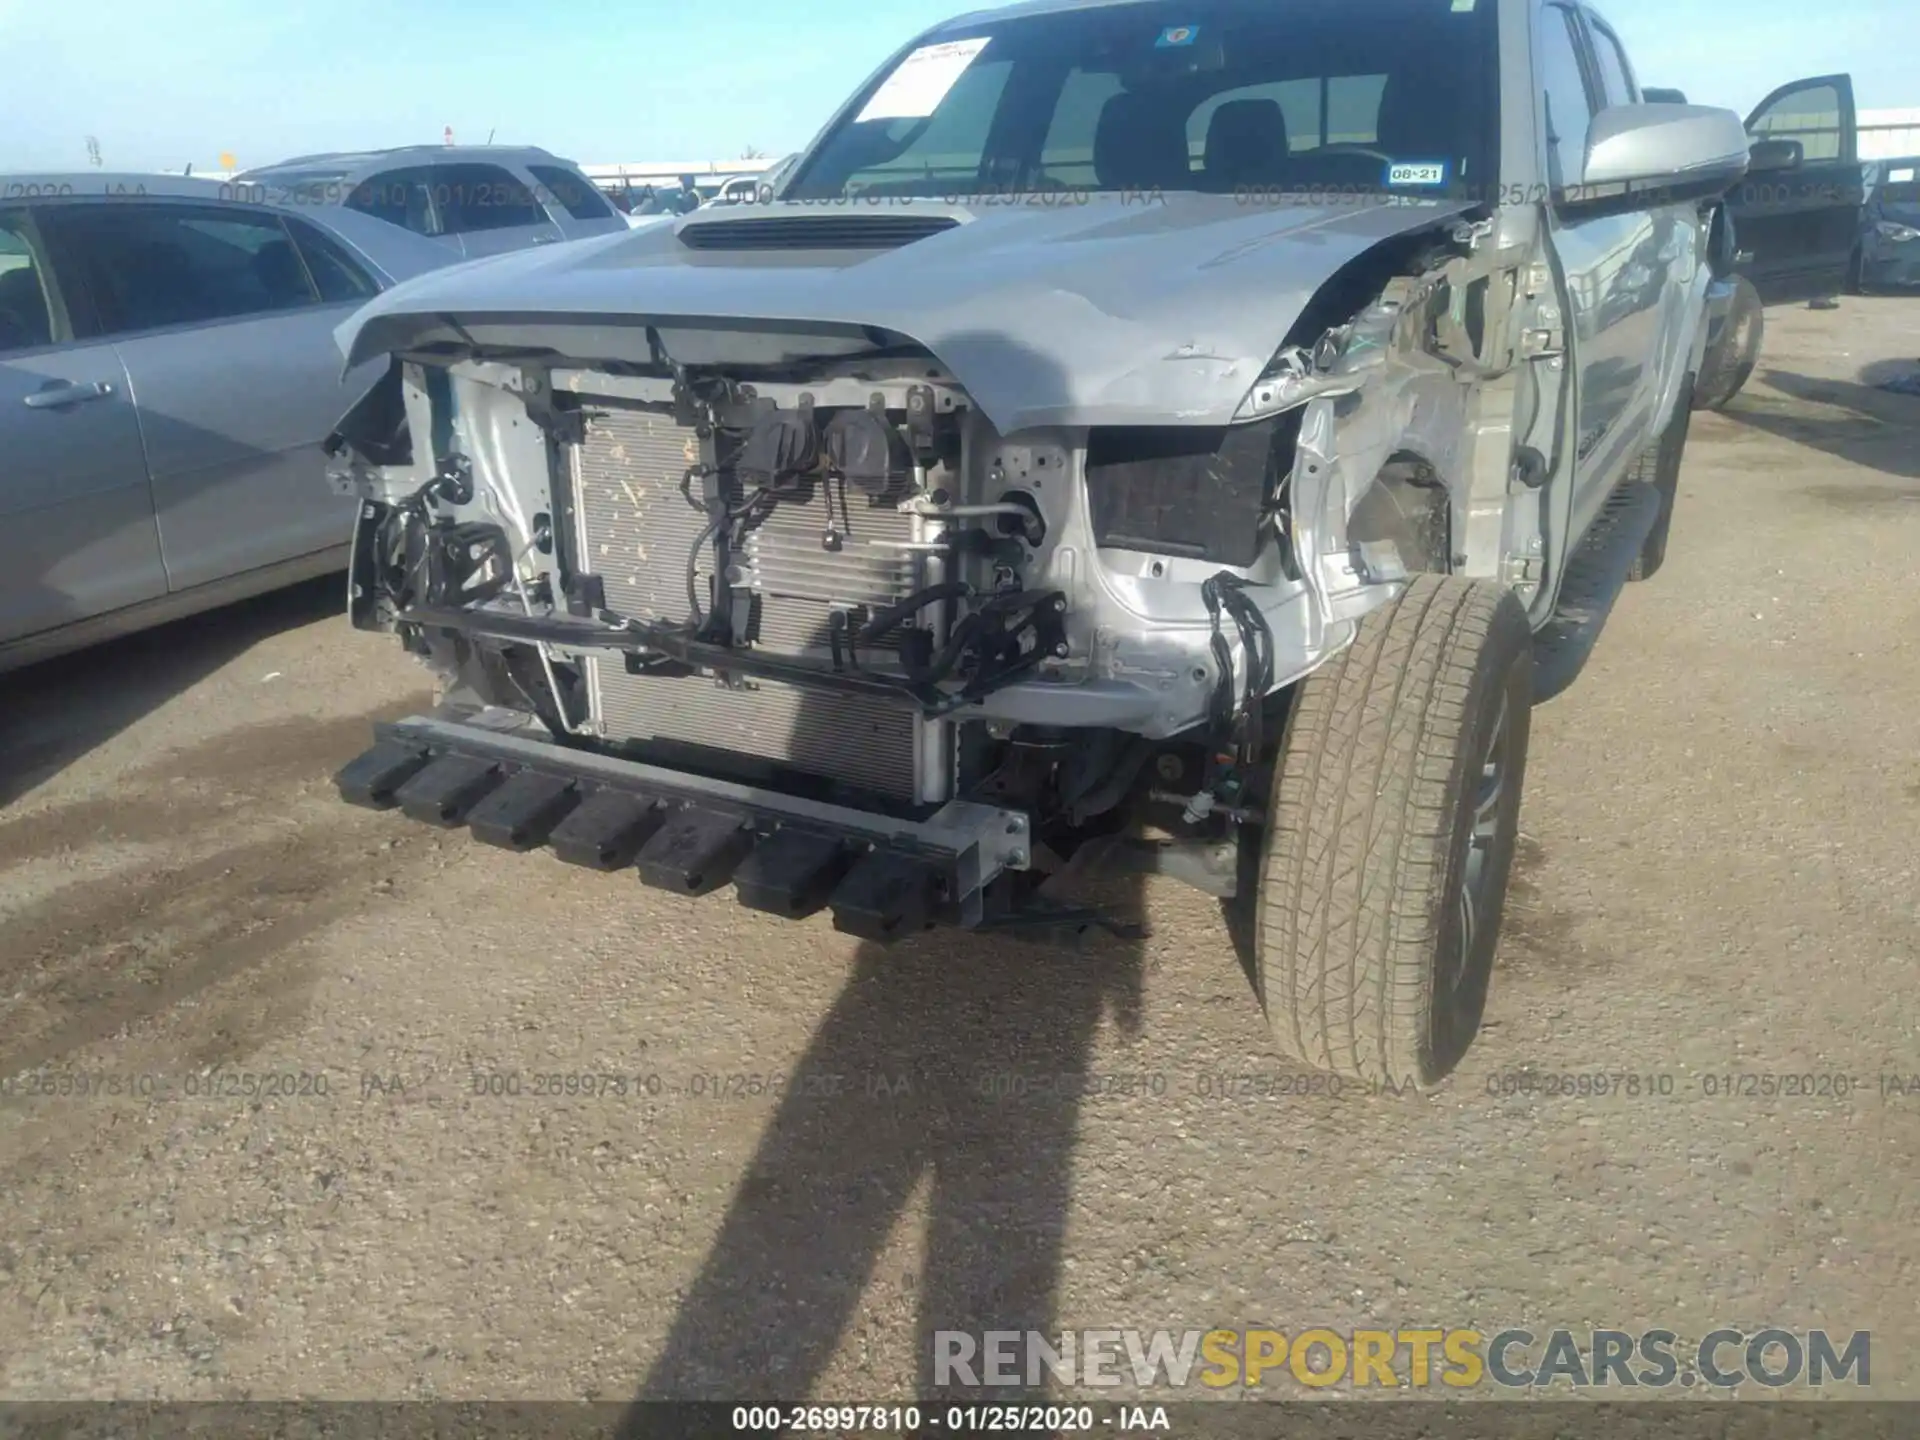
(636, 533)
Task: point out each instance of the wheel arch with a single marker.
(1408, 505)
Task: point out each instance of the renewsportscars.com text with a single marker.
(1448, 1358)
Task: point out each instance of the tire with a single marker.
(1659, 466)
(1730, 364)
(1366, 960)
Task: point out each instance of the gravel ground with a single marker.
(1717, 879)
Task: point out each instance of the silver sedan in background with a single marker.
(167, 375)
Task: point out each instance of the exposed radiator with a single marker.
(635, 530)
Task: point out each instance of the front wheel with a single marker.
(1395, 811)
(1730, 363)
(1659, 467)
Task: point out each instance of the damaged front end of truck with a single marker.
(909, 618)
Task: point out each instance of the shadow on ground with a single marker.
(55, 712)
(953, 1062)
(1851, 420)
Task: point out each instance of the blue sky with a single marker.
(164, 82)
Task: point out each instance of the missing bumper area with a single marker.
(883, 879)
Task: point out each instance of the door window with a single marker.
(1563, 84)
(1812, 115)
(572, 191)
(482, 197)
(399, 197)
(145, 266)
(1616, 76)
(26, 317)
(336, 275)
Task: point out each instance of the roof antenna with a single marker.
(489, 137)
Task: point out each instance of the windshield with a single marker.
(1222, 96)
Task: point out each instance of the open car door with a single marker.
(1797, 213)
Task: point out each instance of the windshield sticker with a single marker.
(1418, 172)
(1897, 177)
(921, 81)
(1463, 7)
(1176, 35)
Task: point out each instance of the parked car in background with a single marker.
(475, 199)
(167, 373)
(668, 200)
(1887, 255)
(740, 190)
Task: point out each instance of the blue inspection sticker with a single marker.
(1417, 172)
(1175, 36)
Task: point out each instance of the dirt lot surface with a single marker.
(1717, 880)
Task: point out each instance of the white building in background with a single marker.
(656, 172)
(1889, 134)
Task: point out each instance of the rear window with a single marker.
(482, 197)
(399, 197)
(572, 191)
(1901, 183)
(1198, 95)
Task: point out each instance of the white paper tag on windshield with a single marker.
(1899, 177)
(921, 81)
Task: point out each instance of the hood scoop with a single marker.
(812, 232)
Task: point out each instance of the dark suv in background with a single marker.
(1887, 255)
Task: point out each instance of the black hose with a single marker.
(696, 613)
(942, 665)
(894, 616)
(1238, 717)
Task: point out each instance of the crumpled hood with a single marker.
(1114, 311)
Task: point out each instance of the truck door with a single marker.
(1615, 262)
(1797, 214)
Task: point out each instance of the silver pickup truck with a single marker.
(1186, 437)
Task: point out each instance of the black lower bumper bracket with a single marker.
(447, 790)
(521, 814)
(885, 898)
(792, 872)
(696, 851)
(607, 831)
(883, 876)
(370, 780)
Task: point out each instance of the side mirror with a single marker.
(1768, 155)
(1679, 151)
(1664, 97)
